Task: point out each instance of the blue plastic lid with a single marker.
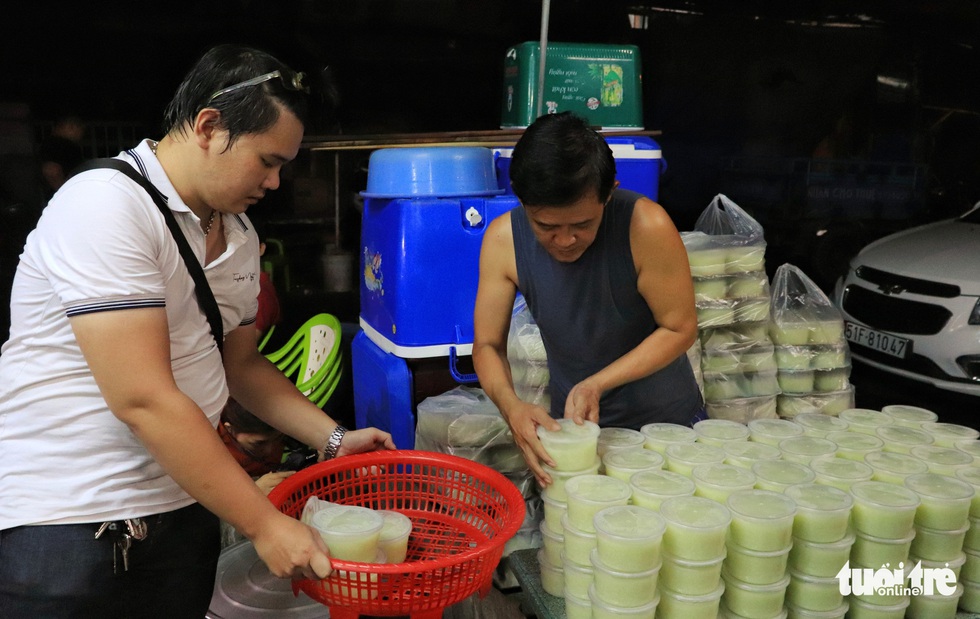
(431, 172)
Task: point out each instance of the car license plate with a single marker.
(877, 340)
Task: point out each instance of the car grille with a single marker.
(880, 311)
(900, 283)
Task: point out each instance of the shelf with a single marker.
(496, 137)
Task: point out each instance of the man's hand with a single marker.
(582, 403)
(291, 549)
(270, 480)
(524, 420)
(367, 439)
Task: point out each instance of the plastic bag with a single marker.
(463, 417)
(729, 223)
(527, 357)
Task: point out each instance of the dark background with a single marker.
(746, 93)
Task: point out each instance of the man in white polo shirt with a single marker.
(112, 477)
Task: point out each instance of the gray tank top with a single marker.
(590, 314)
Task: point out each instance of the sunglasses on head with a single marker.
(293, 82)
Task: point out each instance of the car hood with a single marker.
(945, 251)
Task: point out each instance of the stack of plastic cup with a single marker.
(746, 453)
(759, 540)
(626, 561)
(803, 449)
(651, 488)
(771, 431)
(820, 528)
(855, 445)
(909, 416)
(840, 472)
(683, 457)
(899, 439)
(717, 432)
(578, 580)
(573, 447)
(893, 468)
(778, 475)
(659, 435)
(971, 447)
(970, 574)
(718, 481)
(623, 463)
(865, 420)
(693, 553)
(820, 425)
(942, 518)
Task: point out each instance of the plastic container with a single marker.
(620, 589)
(812, 593)
(945, 501)
(771, 431)
(578, 544)
(820, 425)
(970, 601)
(717, 432)
(790, 334)
(792, 612)
(761, 520)
(603, 610)
(871, 550)
(614, 439)
(598, 82)
(971, 475)
(651, 488)
(573, 447)
(935, 606)
(893, 468)
(822, 512)
(972, 541)
(589, 494)
(659, 435)
(746, 453)
(552, 575)
(796, 381)
(553, 509)
(751, 600)
(820, 559)
(559, 478)
(431, 172)
(718, 481)
(552, 543)
(899, 439)
(394, 535)
(936, 545)
(707, 262)
(682, 458)
(942, 460)
(756, 567)
(865, 420)
(744, 410)
(674, 604)
(350, 532)
(577, 608)
(778, 475)
(955, 564)
(690, 577)
(578, 577)
(971, 565)
(947, 434)
(696, 528)
(840, 472)
(629, 538)
(893, 590)
(803, 449)
(862, 609)
(623, 463)
(883, 509)
(909, 416)
(725, 613)
(855, 445)
(971, 447)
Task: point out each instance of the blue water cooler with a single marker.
(425, 212)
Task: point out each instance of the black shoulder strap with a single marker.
(204, 295)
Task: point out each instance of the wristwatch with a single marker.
(333, 443)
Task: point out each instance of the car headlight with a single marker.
(970, 365)
(975, 314)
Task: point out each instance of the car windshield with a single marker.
(973, 217)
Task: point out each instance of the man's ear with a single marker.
(206, 126)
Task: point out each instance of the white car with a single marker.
(911, 303)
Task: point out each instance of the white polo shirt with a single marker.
(102, 245)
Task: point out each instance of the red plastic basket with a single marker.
(462, 513)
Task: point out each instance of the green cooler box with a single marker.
(598, 82)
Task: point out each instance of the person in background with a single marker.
(112, 475)
(606, 278)
(61, 152)
(255, 445)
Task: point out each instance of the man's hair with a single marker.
(247, 110)
(243, 421)
(559, 160)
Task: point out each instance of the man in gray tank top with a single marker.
(607, 280)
